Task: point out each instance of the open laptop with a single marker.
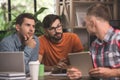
(82, 61)
(12, 64)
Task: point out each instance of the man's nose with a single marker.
(32, 28)
(57, 30)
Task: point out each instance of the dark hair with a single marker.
(49, 19)
(99, 10)
(20, 18)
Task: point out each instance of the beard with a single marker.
(56, 37)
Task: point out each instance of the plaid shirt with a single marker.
(106, 53)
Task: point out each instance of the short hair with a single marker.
(20, 18)
(49, 19)
(99, 10)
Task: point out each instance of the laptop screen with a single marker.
(12, 62)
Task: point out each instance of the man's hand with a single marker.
(61, 67)
(73, 73)
(102, 72)
(29, 41)
(63, 63)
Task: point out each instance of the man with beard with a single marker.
(55, 45)
(24, 39)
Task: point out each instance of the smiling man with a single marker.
(24, 39)
(55, 45)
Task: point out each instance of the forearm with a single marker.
(30, 55)
(27, 54)
(48, 68)
(51, 68)
(115, 72)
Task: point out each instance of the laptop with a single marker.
(82, 61)
(12, 64)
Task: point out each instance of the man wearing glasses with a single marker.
(55, 45)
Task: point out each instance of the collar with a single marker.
(17, 40)
(109, 34)
(107, 37)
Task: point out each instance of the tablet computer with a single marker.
(82, 61)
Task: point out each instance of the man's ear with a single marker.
(17, 26)
(46, 32)
(93, 22)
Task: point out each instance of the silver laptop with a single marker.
(12, 63)
(82, 61)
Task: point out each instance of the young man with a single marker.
(105, 50)
(24, 39)
(55, 45)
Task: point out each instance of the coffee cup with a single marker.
(34, 69)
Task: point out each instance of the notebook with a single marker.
(13, 78)
(82, 61)
(12, 64)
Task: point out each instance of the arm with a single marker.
(31, 49)
(55, 69)
(31, 53)
(61, 64)
(104, 72)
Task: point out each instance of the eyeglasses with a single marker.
(52, 29)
